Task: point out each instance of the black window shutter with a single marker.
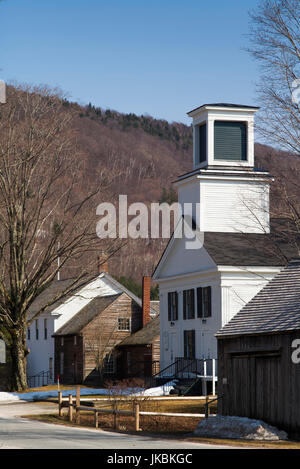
(192, 304)
(176, 307)
(169, 306)
(202, 143)
(199, 303)
(207, 312)
(184, 304)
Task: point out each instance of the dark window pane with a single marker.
(173, 306)
(189, 304)
(202, 143)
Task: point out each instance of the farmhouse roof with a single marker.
(276, 308)
(86, 315)
(55, 289)
(102, 285)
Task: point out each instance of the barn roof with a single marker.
(86, 315)
(276, 308)
(144, 336)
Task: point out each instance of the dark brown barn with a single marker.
(85, 347)
(258, 357)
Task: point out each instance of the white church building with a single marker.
(202, 289)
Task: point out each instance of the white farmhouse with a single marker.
(228, 201)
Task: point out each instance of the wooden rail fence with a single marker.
(136, 412)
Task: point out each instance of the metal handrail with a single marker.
(207, 403)
(42, 375)
(176, 371)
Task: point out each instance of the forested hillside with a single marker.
(143, 157)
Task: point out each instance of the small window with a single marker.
(189, 344)
(204, 302)
(28, 333)
(37, 329)
(172, 306)
(109, 364)
(189, 304)
(123, 324)
(45, 329)
(75, 339)
(62, 341)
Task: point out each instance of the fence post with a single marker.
(115, 415)
(137, 416)
(60, 404)
(96, 419)
(70, 408)
(77, 404)
(214, 376)
(206, 407)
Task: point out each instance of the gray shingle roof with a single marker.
(86, 315)
(248, 249)
(276, 308)
(54, 290)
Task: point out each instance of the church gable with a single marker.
(178, 260)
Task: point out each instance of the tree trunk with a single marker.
(18, 357)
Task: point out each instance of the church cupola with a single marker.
(224, 192)
(223, 135)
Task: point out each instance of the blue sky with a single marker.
(161, 57)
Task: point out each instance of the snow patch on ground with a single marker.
(37, 395)
(238, 428)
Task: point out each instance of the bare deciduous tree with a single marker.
(46, 212)
(275, 36)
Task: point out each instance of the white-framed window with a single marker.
(172, 306)
(124, 324)
(189, 304)
(204, 302)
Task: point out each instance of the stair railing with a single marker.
(38, 380)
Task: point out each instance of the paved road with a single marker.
(21, 433)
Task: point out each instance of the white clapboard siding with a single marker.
(230, 206)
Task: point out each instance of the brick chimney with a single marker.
(146, 300)
(103, 263)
